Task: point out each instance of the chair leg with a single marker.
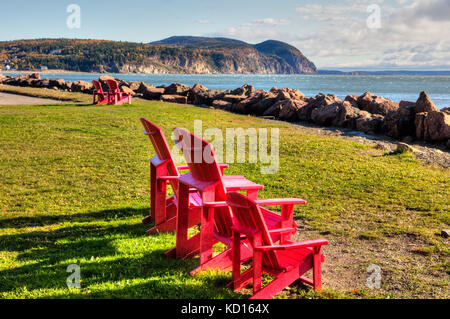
(317, 271)
(236, 255)
(257, 271)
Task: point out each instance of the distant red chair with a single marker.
(164, 171)
(287, 262)
(117, 97)
(216, 219)
(99, 96)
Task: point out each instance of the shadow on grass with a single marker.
(116, 260)
(46, 220)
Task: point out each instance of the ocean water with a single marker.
(396, 88)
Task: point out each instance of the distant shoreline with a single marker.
(44, 71)
(320, 72)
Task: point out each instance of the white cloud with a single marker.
(202, 21)
(268, 22)
(255, 30)
(412, 35)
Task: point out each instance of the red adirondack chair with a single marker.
(116, 96)
(216, 219)
(164, 171)
(99, 96)
(287, 262)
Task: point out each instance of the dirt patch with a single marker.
(405, 271)
(425, 152)
(15, 99)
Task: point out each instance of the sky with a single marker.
(340, 34)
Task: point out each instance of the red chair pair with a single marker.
(112, 97)
(204, 195)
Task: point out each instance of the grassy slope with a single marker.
(74, 187)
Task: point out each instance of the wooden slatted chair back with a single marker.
(202, 161)
(249, 220)
(162, 149)
(97, 86)
(113, 86)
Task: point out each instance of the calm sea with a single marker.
(395, 87)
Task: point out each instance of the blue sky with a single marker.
(333, 34)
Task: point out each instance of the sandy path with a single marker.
(14, 99)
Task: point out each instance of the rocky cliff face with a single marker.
(173, 55)
(224, 55)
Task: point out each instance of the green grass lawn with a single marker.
(74, 186)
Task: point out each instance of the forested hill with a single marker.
(172, 55)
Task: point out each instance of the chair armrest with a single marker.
(183, 167)
(224, 166)
(303, 244)
(215, 204)
(167, 178)
(282, 230)
(280, 201)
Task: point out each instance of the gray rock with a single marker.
(403, 147)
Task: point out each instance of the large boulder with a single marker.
(320, 100)
(206, 97)
(286, 94)
(177, 89)
(221, 104)
(198, 87)
(173, 98)
(352, 99)
(152, 93)
(233, 98)
(433, 126)
(368, 122)
(194, 91)
(82, 86)
(104, 78)
(127, 90)
(135, 85)
(246, 106)
(285, 110)
(376, 104)
(265, 101)
(3, 78)
(43, 83)
(425, 104)
(144, 87)
(400, 123)
(246, 89)
(58, 83)
(122, 83)
(340, 114)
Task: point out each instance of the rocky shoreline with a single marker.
(373, 115)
